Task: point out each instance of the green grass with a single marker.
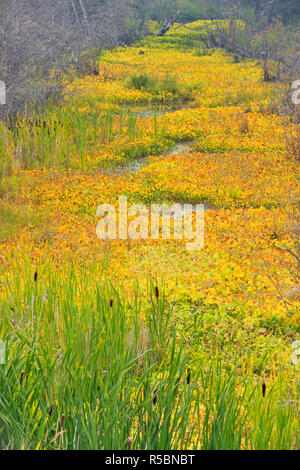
(14, 218)
(67, 137)
(90, 367)
(54, 136)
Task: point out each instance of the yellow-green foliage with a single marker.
(128, 339)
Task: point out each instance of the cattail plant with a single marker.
(188, 376)
(155, 396)
(110, 385)
(22, 376)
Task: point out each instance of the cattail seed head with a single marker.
(62, 420)
(21, 377)
(50, 411)
(263, 389)
(35, 276)
(155, 394)
(129, 443)
(188, 376)
(111, 303)
(156, 292)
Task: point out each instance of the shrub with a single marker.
(40, 37)
(141, 81)
(170, 84)
(156, 86)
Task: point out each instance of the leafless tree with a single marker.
(162, 10)
(40, 40)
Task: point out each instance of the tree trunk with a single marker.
(169, 24)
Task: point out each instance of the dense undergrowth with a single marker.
(115, 340)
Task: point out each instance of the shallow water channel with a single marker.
(136, 165)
